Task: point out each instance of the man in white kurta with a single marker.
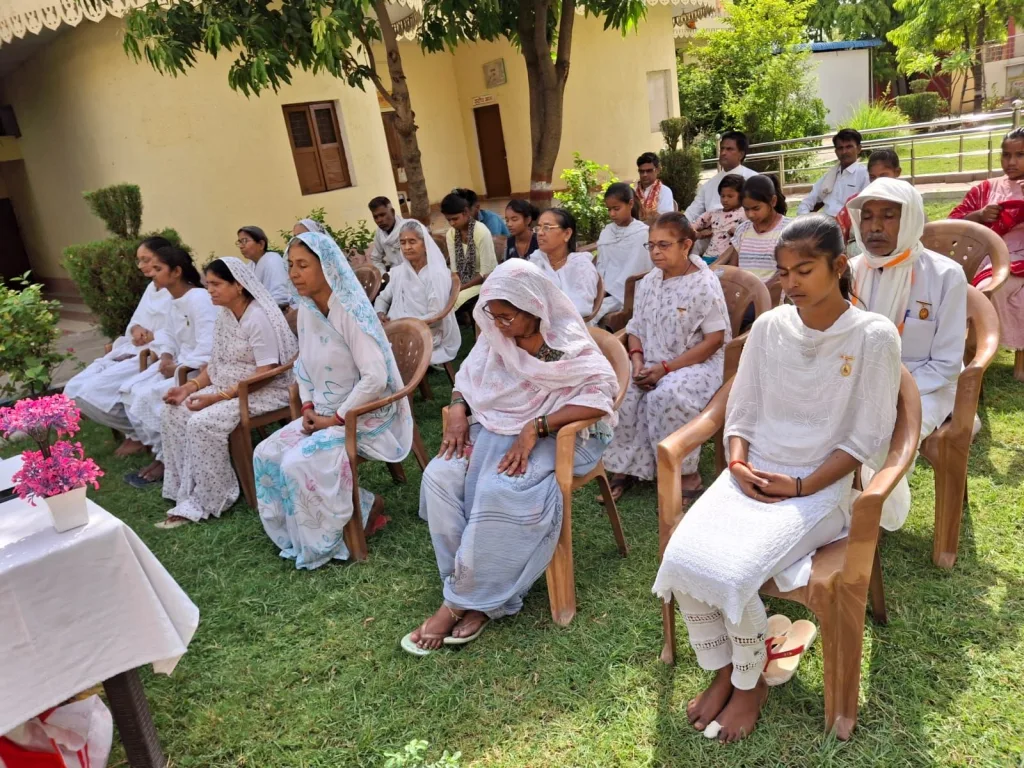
(844, 180)
(922, 292)
(385, 252)
(732, 151)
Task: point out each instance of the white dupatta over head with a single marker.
(506, 386)
(888, 292)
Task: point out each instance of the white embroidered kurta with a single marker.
(707, 198)
(669, 317)
(198, 474)
(96, 390)
(799, 394)
(385, 251)
(620, 254)
(188, 338)
(577, 278)
(273, 273)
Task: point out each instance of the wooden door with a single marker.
(13, 258)
(492, 151)
(395, 151)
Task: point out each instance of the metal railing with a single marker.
(1012, 48)
(972, 136)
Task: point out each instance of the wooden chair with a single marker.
(969, 244)
(948, 447)
(370, 278)
(240, 444)
(841, 572)
(616, 321)
(411, 344)
(598, 299)
(431, 321)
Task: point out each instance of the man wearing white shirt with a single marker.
(844, 180)
(385, 252)
(654, 196)
(732, 151)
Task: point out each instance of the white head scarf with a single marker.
(621, 254)
(312, 225)
(506, 386)
(888, 292)
(406, 302)
(287, 344)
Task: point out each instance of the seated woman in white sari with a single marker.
(303, 478)
(420, 287)
(558, 259)
(96, 390)
(187, 340)
(814, 398)
(676, 343)
(490, 497)
(250, 337)
(621, 248)
(922, 292)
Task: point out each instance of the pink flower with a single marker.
(65, 469)
(38, 417)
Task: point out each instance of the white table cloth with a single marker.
(79, 607)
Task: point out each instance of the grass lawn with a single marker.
(303, 669)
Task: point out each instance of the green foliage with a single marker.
(680, 171)
(993, 102)
(673, 129)
(583, 197)
(108, 279)
(876, 115)
(750, 75)
(920, 107)
(27, 344)
(120, 208)
(414, 756)
(357, 237)
(844, 20)
(920, 85)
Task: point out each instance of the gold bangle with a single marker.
(224, 394)
(196, 383)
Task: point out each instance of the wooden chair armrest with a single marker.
(255, 383)
(565, 450)
(671, 452)
(182, 373)
(733, 350)
(293, 400)
(453, 296)
(621, 336)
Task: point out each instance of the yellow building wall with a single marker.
(207, 159)
(435, 101)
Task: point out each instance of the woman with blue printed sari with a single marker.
(303, 477)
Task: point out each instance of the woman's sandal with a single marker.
(410, 647)
(619, 486)
(175, 521)
(452, 640)
(784, 658)
(376, 519)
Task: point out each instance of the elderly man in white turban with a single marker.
(922, 292)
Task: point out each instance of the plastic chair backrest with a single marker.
(742, 289)
(969, 244)
(612, 349)
(411, 344)
(370, 278)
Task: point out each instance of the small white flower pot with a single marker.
(68, 510)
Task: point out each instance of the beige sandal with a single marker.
(784, 658)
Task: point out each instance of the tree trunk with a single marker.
(547, 80)
(405, 124)
(979, 60)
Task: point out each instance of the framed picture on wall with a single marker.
(494, 73)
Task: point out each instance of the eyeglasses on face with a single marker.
(242, 242)
(548, 228)
(501, 320)
(661, 245)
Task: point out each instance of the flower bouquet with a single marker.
(58, 472)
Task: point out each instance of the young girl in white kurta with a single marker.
(557, 258)
(420, 287)
(187, 340)
(303, 478)
(813, 398)
(250, 336)
(676, 341)
(96, 390)
(922, 292)
(621, 248)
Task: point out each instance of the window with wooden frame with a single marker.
(317, 148)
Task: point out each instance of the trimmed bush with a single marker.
(920, 107)
(680, 171)
(120, 208)
(108, 278)
(877, 115)
(28, 353)
(673, 129)
(583, 197)
(919, 86)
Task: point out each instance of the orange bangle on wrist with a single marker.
(737, 461)
(306, 407)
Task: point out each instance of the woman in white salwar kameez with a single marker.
(96, 390)
(419, 287)
(490, 497)
(676, 343)
(250, 337)
(303, 478)
(573, 272)
(187, 340)
(814, 398)
(621, 247)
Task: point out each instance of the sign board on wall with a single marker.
(482, 101)
(494, 73)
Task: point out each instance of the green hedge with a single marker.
(680, 171)
(920, 107)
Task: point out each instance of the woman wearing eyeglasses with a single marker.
(268, 265)
(490, 496)
(675, 341)
(557, 258)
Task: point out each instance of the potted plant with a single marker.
(58, 472)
